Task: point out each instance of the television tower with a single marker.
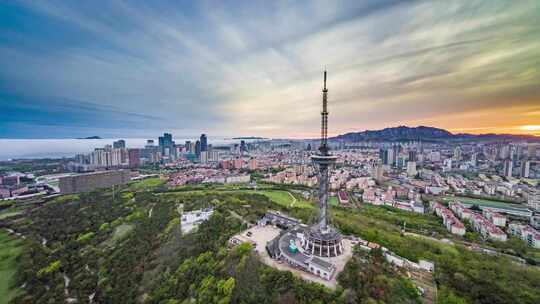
(323, 240)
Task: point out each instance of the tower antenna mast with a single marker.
(324, 120)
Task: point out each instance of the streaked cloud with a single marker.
(254, 68)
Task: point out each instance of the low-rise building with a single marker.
(5, 192)
(411, 206)
(526, 233)
(496, 218)
(534, 200)
(190, 220)
(343, 197)
(278, 219)
(487, 229)
(368, 195)
(450, 221)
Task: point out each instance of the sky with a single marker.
(240, 68)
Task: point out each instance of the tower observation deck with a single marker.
(322, 239)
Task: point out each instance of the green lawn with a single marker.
(146, 184)
(284, 198)
(333, 201)
(10, 248)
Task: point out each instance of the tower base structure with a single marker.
(322, 243)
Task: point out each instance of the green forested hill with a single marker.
(130, 249)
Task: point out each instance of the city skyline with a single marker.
(122, 69)
(347, 151)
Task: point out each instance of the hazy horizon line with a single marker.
(308, 137)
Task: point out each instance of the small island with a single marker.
(90, 137)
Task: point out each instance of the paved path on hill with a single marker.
(426, 281)
(293, 198)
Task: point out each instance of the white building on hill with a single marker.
(190, 220)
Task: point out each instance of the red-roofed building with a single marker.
(343, 197)
(461, 211)
(450, 221)
(487, 229)
(369, 195)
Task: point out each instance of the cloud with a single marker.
(256, 68)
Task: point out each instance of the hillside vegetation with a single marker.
(130, 249)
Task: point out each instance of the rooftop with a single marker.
(322, 264)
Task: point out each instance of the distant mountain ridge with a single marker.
(424, 133)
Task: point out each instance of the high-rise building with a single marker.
(101, 157)
(514, 156)
(151, 153)
(213, 156)
(401, 161)
(457, 153)
(396, 149)
(238, 163)
(519, 151)
(531, 151)
(435, 156)
(474, 159)
(204, 143)
(243, 147)
(377, 172)
(252, 164)
(198, 149)
(411, 168)
(383, 156)
(447, 164)
(119, 144)
(134, 158)
(119, 157)
(203, 157)
(504, 152)
(412, 155)
(507, 168)
(189, 148)
(525, 169)
(81, 159)
(166, 145)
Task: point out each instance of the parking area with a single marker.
(259, 235)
